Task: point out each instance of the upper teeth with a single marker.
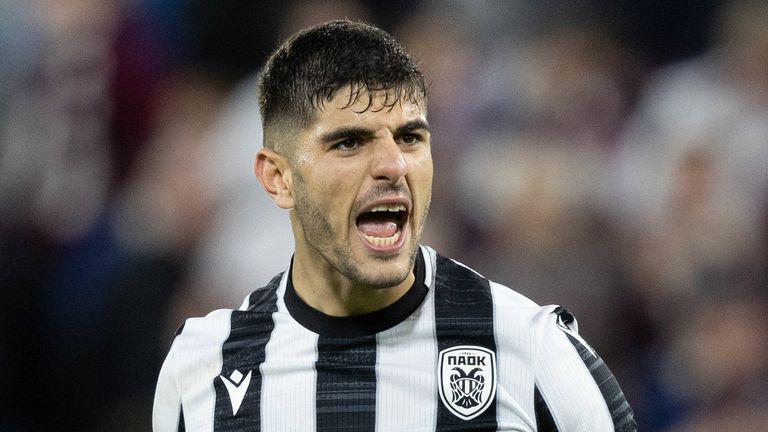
(388, 207)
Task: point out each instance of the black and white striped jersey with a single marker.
(456, 353)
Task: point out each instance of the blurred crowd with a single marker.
(609, 156)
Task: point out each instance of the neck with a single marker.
(325, 289)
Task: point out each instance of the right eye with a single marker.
(347, 145)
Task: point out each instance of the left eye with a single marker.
(410, 139)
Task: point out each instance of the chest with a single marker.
(401, 379)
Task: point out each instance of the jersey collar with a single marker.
(358, 325)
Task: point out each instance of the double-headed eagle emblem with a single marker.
(467, 388)
(467, 380)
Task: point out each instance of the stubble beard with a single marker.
(318, 233)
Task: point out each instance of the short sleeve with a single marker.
(574, 389)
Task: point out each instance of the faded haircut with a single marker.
(309, 69)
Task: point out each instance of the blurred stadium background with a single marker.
(609, 156)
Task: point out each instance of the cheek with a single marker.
(332, 190)
(421, 170)
(303, 159)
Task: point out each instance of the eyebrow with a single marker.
(343, 133)
(412, 126)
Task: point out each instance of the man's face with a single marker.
(361, 184)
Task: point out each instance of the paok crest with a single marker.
(467, 380)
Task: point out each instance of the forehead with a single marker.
(350, 106)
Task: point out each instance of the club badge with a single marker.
(467, 380)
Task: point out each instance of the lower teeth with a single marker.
(383, 241)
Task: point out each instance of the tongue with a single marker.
(378, 229)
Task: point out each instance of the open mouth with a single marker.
(382, 225)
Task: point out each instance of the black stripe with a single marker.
(182, 426)
(463, 316)
(621, 412)
(244, 351)
(544, 420)
(346, 383)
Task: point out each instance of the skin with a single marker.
(346, 160)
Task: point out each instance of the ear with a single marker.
(274, 174)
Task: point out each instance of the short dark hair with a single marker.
(309, 68)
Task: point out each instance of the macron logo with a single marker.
(236, 387)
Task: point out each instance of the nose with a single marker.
(388, 162)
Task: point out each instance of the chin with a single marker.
(391, 272)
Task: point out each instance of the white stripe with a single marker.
(406, 363)
(199, 361)
(289, 377)
(430, 259)
(515, 345)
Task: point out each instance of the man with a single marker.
(366, 329)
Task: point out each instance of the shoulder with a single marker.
(195, 352)
(461, 277)
(569, 377)
(212, 329)
(198, 338)
(513, 313)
